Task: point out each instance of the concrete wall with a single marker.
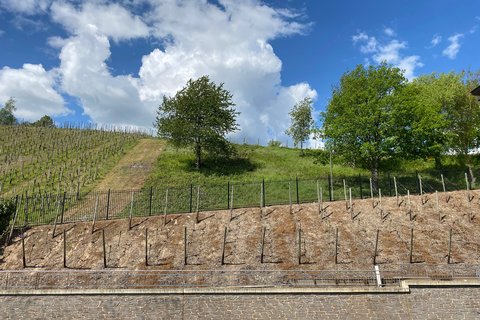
(420, 303)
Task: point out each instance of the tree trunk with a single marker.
(198, 156)
(438, 162)
(301, 148)
(374, 171)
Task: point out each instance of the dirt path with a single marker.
(133, 169)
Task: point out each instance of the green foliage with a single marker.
(302, 122)
(274, 143)
(359, 122)
(7, 210)
(6, 113)
(199, 116)
(45, 121)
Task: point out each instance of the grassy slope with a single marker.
(175, 167)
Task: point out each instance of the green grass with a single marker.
(175, 167)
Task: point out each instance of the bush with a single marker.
(7, 210)
(274, 143)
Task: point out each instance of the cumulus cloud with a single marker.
(227, 40)
(111, 20)
(33, 89)
(389, 52)
(452, 50)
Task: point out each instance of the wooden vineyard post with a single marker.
(375, 253)
(165, 208)
(24, 260)
(108, 205)
(94, 214)
(64, 249)
(336, 245)
(185, 244)
(228, 194)
(345, 194)
(146, 247)
(320, 198)
(443, 183)
(420, 186)
(411, 245)
(263, 244)
(130, 214)
(449, 246)
(223, 246)
(104, 250)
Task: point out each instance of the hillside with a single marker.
(125, 248)
(53, 160)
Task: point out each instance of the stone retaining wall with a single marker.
(420, 303)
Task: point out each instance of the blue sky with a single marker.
(112, 62)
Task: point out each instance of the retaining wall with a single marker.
(419, 302)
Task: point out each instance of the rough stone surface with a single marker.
(421, 303)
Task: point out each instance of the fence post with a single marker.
(329, 188)
(63, 206)
(389, 185)
(191, 195)
(417, 182)
(296, 182)
(361, 189)
(263, 191)
(25, 211)
(228, 194)
(108, 204)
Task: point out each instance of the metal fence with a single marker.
(131, 279)
(41, 209)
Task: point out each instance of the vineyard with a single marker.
(36, 160)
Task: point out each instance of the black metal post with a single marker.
(191, 196)
(150, 202)
(108, 204)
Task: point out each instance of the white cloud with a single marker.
(452, 50)
(473, 29)
(389, 52)
(436, 40)
(26, 6)
(228, 41)
(34, 90)
(111, 20)
(389, 32)
(369, 44)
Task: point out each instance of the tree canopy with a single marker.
(359, 123)
(301, 121)
(6, 113)
(198, 116)
(45, 121)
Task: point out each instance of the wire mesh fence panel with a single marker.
(208, 198)
(279, 192)
(306, 191)
(246, 195)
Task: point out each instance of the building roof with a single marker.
(476, 91)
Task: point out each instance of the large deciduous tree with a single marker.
(198, 116)
(359, 123)
(301, 122)
(6, 113)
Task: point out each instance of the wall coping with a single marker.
(405, 286)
